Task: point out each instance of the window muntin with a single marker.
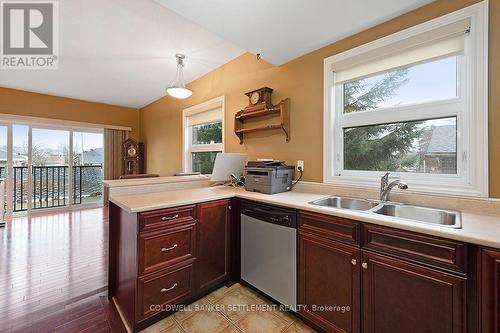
(427, 82)
(424, 146)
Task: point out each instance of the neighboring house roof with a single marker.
(93, 156)
(17, 157)
(443, 140)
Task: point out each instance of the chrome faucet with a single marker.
(386, 187)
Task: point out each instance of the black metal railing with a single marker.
(50, 185)
(87, 182)
(20, 188)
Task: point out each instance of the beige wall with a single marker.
(25, 103)
(302, 81)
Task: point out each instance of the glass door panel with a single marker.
(88, 158)
(20, 154)
(4, 167)
(50, 171)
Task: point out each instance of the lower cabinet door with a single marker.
(402, 297)
(212, 263)
(490, 291)
(329, 283)
(157, 291)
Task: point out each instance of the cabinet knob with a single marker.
(164, 290)
(168, 218)
(364, 265)
(354, 261)
(229, 207)
(165, 249)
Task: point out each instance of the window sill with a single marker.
(443, 188)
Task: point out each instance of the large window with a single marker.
(412, 103)
(203, 135)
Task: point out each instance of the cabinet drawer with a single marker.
(160, 249)
(164, 288)
(164, 218)
(428, 250)
(336, 228)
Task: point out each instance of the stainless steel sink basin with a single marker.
(433, 216)
(345, 203)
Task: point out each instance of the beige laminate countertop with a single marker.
(154, 180)
(476, 228)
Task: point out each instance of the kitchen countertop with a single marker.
(476, 228)
(153, 180)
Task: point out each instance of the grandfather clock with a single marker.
(133, 157)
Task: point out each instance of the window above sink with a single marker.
(413, 103)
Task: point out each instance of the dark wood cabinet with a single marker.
(328, 281)
(403, 297)
(395, 281)
(427, 250)
(332, 227)
(489, 285)
(212, 266)
(166, 257)
(351, 276)
(161, 249)
(162, 288)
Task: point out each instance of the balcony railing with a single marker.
(50, 186)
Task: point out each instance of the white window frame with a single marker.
(187, 147)
(472, 101)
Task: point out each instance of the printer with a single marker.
(268, 176)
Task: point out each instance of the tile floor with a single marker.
(231, 310)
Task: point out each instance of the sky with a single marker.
(436, 80)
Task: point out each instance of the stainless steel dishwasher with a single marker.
(268, 250)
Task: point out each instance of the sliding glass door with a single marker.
(17, 180)
(88, 160)
(5, 165)
(50, 174)
(49, 168)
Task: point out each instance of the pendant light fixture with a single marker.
(178, 88)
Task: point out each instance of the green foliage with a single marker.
(380, 147)
(207, 133)
(203, 162)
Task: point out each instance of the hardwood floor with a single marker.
(53, 274)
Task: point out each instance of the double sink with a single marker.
(433, 216)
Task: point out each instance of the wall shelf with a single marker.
(282, 109)
(256, 114)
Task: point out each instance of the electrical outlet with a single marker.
(300, 164)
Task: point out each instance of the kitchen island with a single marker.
(173, 247)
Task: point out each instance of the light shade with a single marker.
(179, 92)
(178, 88)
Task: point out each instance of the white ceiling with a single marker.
(122, 52)
(281, 30)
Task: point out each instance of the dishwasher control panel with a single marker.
(271, 214)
